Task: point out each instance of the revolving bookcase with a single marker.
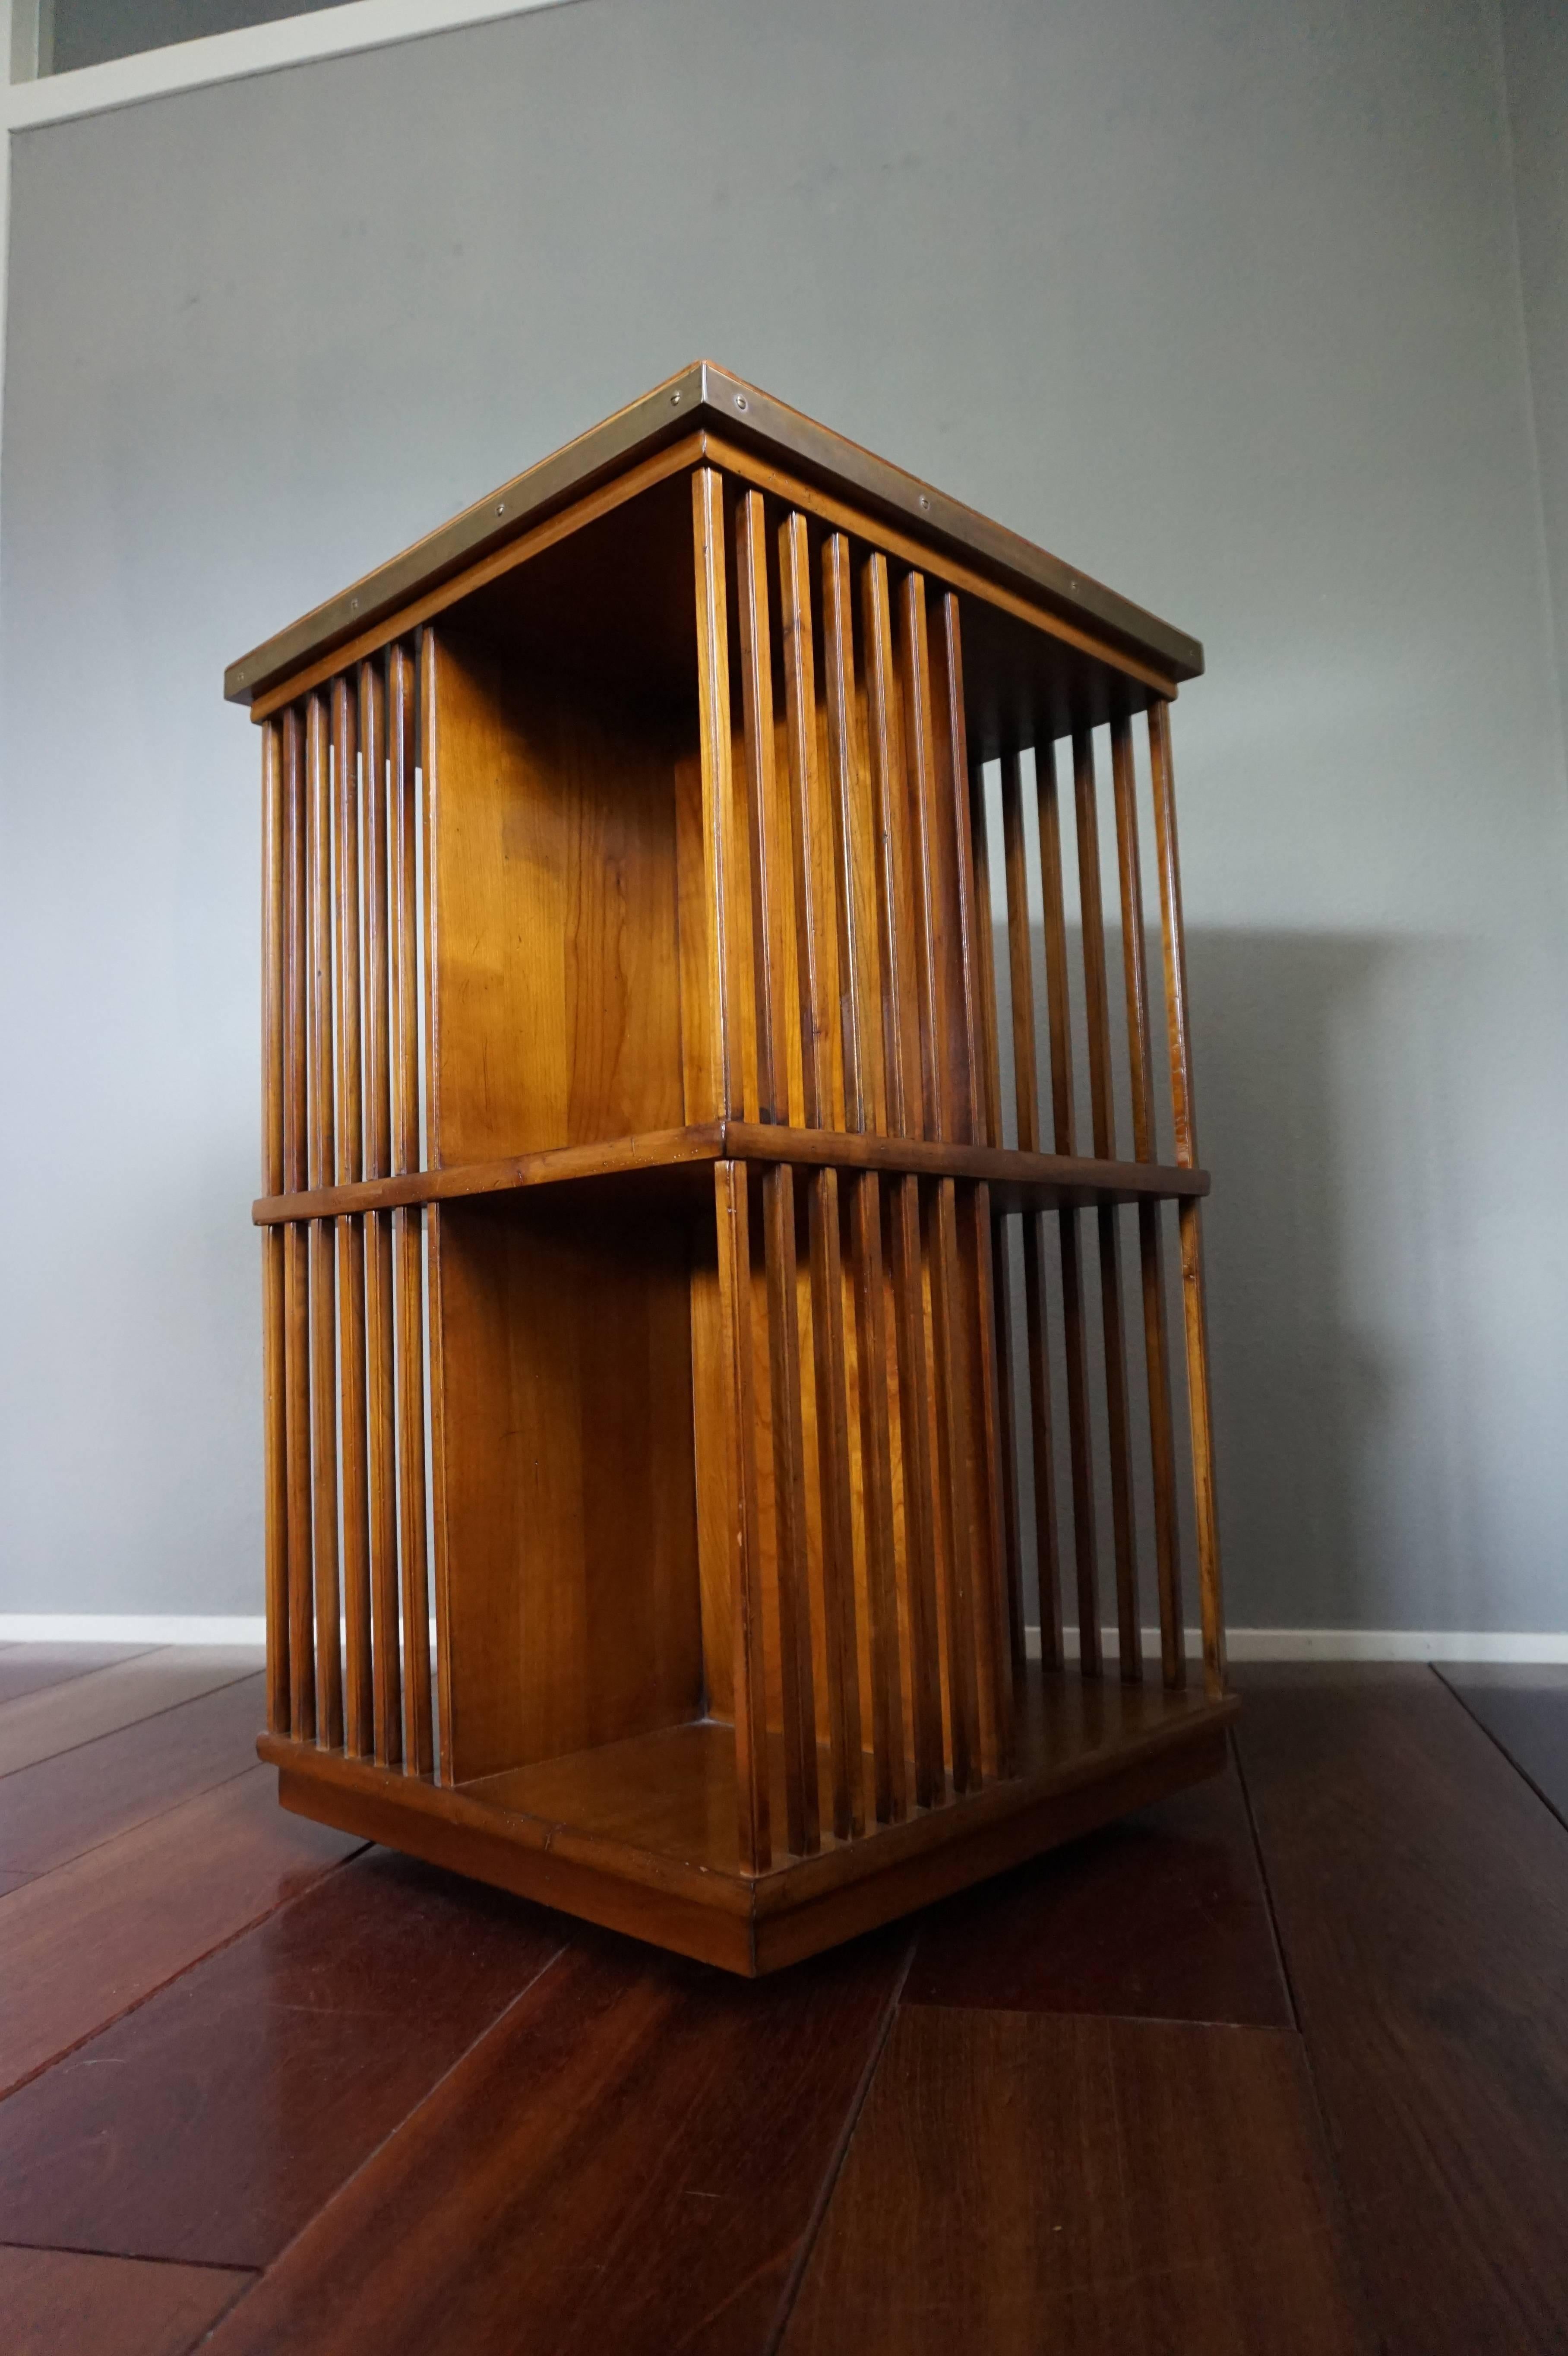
(728, 1410)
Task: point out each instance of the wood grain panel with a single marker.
(1421, 1894)
(213, 2121)
(629, 2160)
(1162, 1916)
(80, 1946)
(58, 1718)
(34, 1669)
(1018, 2182)
(557, 987)
(63, 1806)
(571, 1612)
(59, 2299)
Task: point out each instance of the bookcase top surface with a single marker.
(705, 398)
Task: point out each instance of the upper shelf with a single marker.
(1017, 1180)
(704, 397)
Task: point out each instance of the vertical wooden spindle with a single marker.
(274, 1344)
(731, 1203)
(955, 1482)
(855, 854)
(724, 846)
(901, 1059)
(1059, 1018)
(358, 1714)
(767, 814)
(802, 1803)
(999, 1654)
(865, 1108)
(818, 962)
(989, 1104)
(323, 1289)
(1026, 1090)
(944, 1055)
(1210, 1593)
(418, 1736)
(379, 1324)
(1103, 1115)
(1157, 1354)
(296, 1235)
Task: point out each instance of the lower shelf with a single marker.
(640, 1835)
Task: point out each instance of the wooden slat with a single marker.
(631, 2161)
(939, 1048)
(61, 1808)
(903, 1253)
(417, 1742)
(975, 978)
(1012, 1544)
(1163, 1915)
(732, 1208)
(1058, 1020)
(819, 925)
(84, 1943)
(816, 865)
(358, 1714)
(274, 1345)
(97, 2306)
(1097, 1008)
(323, 1286)
(955, 1500)
(872, 1359)
(767, 816)
(988, 1128)
(855, 852)
(895, 893)
(802, 1801)
(79, 1709)
(723, 844)
(1002, 1647)
(239, 2100)
(379, 1323)
(1020, 2183)
(840, 1645)
(1157, 1353)
(1026, 1085)
(297, 1237)
(1421, 1889)
(1199, 1414)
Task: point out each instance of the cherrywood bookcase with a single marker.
(699, 1318)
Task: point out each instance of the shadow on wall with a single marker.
(1335, 1243)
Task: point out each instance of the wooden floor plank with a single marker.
(80, 1946)
(214, 2121)
(1163, 1916)
(1525, 1711)
(58, 2303)
(628, 2162)
(41, 1725)
(1020, 2182)
(1421, 1894)
(63, 1807)
(28, 1668)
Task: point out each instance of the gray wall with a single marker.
(1535, 39)
(1217, 299)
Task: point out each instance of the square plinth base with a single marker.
(640, 1836)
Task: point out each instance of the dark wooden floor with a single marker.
(1280, 2066)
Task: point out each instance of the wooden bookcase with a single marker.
(655, 1131)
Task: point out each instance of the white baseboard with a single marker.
(1242, 1644)
(130, 1628)
(1346, 1644)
